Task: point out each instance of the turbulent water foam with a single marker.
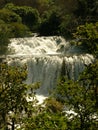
(47, 58)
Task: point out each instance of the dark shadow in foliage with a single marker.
(50, 25)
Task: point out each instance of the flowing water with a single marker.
(48, 58)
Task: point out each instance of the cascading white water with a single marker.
(46, 57)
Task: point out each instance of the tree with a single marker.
(87, 36)
(13, 93)
(67, 6)
(29, 15)
(82, 97)
(48, 117)
(13, 25)
(3, 2)
(19, 30)
(9, 16)
(90, 78)
(51, 23)
(86, 8)
(86, 11)
(4, 37)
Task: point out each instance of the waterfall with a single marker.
(47, 58)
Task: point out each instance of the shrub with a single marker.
(50, 24)
(29, 16)
(9, 16)
(19, 30)
(4, 37)
(87, 36)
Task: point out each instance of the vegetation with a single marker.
(13, 93)
(29, 16)
(4, 37)
(19, 30)
(48, 118)
(77, 19)
(69, 14)
(48, 17)
(9, 16)
(82, 97)
(87, 36)
(50, 24)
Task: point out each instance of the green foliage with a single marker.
(10, 26)
(72, 13)
(82, 97)
(30, 16)
(86, 8)
(42, 5)
(47, 118)
(53, 105)
(66, 26)
(79, 96)
(86, 12)
(87, 36)
(50, 24)
(9, 16)
(67, 6)
(3, 2)
(13, 25)
(13, 92)
(19, 30)
(4, 37)
(90, 78)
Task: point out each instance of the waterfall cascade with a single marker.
(46, 57)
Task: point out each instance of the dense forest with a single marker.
(45, 17)
(72, 19)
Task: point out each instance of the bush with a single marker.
(30, 16)
(19, 30)
(67, 26)
(87, 36)
(4, 37)
(81, 97)
(9, 16)
(50, 24)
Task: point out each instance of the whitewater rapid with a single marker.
(47, 58)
